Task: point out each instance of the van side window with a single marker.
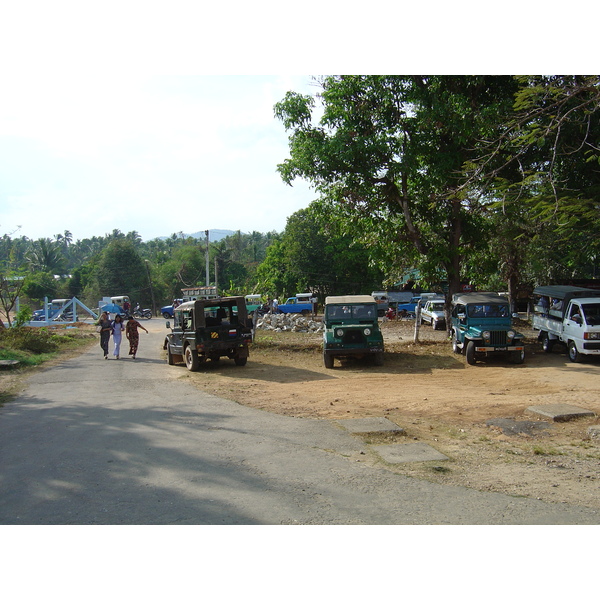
(575, 313)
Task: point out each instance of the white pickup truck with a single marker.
(570, 316)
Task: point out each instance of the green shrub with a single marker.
(37, 341)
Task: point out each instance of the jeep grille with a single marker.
(498, 338)
(353, 336)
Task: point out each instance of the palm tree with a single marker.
(45, 255)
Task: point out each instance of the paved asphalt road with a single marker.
(95, 441)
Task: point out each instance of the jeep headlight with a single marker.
(367, 331)
(486, 336)
(339, 332)
(511, 334)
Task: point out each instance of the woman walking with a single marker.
(117, 330)
(105, 328)
(133, 335)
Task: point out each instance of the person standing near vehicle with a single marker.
(117, 331)
(133, 335)
(104, 327)
(275, 306)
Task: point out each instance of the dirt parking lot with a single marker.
(475, 415)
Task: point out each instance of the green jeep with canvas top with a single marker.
(351, 329)
(482, 325)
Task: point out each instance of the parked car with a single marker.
(208, 330)
(569, 316)
(253, 302)
(482, 325)
(433, 313)
(54, 311)
(351, 329)
(167, 311)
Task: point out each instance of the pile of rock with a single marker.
(289, 322)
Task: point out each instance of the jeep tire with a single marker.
(170, 359)
(455, 347)
(328, 360)
(240, 361)
(470, 353)
(191, 359)
(518, 357)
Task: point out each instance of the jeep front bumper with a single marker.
(498, 348)
(349, 351)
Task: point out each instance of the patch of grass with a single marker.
(541, 451)
(26, 359)
(33, 346)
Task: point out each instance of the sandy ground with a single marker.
(475, 415)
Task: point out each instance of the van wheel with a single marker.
(191, 359)
(574, 355)
(470, 353)
(547, 343)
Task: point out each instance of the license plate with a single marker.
(501, 349)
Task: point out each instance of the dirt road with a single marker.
(476, 415)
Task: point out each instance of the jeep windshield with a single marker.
(437, 306)
(488, 311)
(351, 311)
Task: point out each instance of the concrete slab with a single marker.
(560, 412)
(403, 453)
(369, 425)
(8, 364)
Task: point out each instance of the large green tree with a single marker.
(544, 161)
(121, 271)
(390, 150)
(315, 255)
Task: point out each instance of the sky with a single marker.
(158, 117)
(152, 154)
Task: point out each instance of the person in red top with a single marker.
(131, 331)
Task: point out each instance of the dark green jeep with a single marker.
(482, 325)
(351, 329)
(209, 329)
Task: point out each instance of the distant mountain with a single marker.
(214, 235)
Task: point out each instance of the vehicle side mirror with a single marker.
(168, 325)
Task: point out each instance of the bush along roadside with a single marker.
(32, 346)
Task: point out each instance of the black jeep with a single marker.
(209, 329)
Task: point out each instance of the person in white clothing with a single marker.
(117, 331)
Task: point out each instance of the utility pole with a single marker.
(207, 261)
(151, 289)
